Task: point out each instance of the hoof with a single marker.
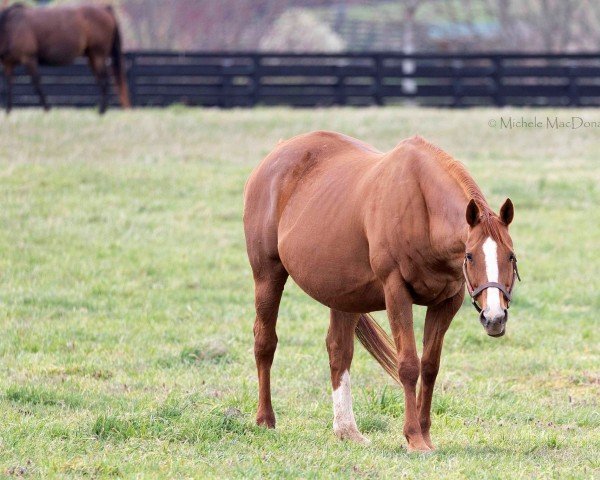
(352, 435)
(428, 442)
(266, 420)
(419, 447)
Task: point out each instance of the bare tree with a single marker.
(465, 25)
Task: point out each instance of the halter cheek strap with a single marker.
(474, 292)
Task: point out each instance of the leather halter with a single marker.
(474, 292)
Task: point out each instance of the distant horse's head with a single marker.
(490, 265)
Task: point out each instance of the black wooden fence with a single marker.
(248, 79)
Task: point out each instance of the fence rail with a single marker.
(249, 79)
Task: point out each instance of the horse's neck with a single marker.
(448, 228)
(446, 202)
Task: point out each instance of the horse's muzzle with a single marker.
(495, 326)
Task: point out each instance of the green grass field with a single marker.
(127, 306)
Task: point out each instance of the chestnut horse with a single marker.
(361, 231)
(57, 36)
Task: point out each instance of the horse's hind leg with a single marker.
(98, 66)
(340, 346)
(32, 69)
(269, 279)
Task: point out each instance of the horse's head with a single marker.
(490, 265)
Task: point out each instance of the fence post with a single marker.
(573, 88)
(131, 77)
(378, 93)
(4, 91)
(456, 83)
(340, 88)
(497, 77)
(225, 100)
(255, 79)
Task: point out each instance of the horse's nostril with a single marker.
(492, 319)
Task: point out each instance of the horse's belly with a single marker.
(60, 47)
(347, 294)
(340, 278)
(55, 55)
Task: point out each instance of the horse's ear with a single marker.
(507, 212)
(472, 213)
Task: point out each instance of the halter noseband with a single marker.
(474, 292)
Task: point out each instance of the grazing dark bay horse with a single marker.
(57, 36)
(361, 231)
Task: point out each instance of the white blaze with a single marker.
(490, 249)
(344, 424)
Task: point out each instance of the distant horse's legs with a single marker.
(269, 280)
(437, 321)
(399, 309)
(340, 346)
(8, 75)
(98, 66)
(32, 69)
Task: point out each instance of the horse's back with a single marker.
(292, 164)
(58, 35)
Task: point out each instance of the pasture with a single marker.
(126, 305)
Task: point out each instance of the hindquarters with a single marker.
(99, 26)
(277, 187)
(260, 228)
(260, 219)
(268, 191)
(103, 40)
(304, 207)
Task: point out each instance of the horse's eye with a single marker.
(469, 257)
(512, 257)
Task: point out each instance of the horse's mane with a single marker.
(457, 170)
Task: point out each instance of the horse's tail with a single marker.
(118, 64)
(378, 344)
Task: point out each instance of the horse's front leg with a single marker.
(399, 309)
(32, 68)
(8, 75)
(437, 321)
